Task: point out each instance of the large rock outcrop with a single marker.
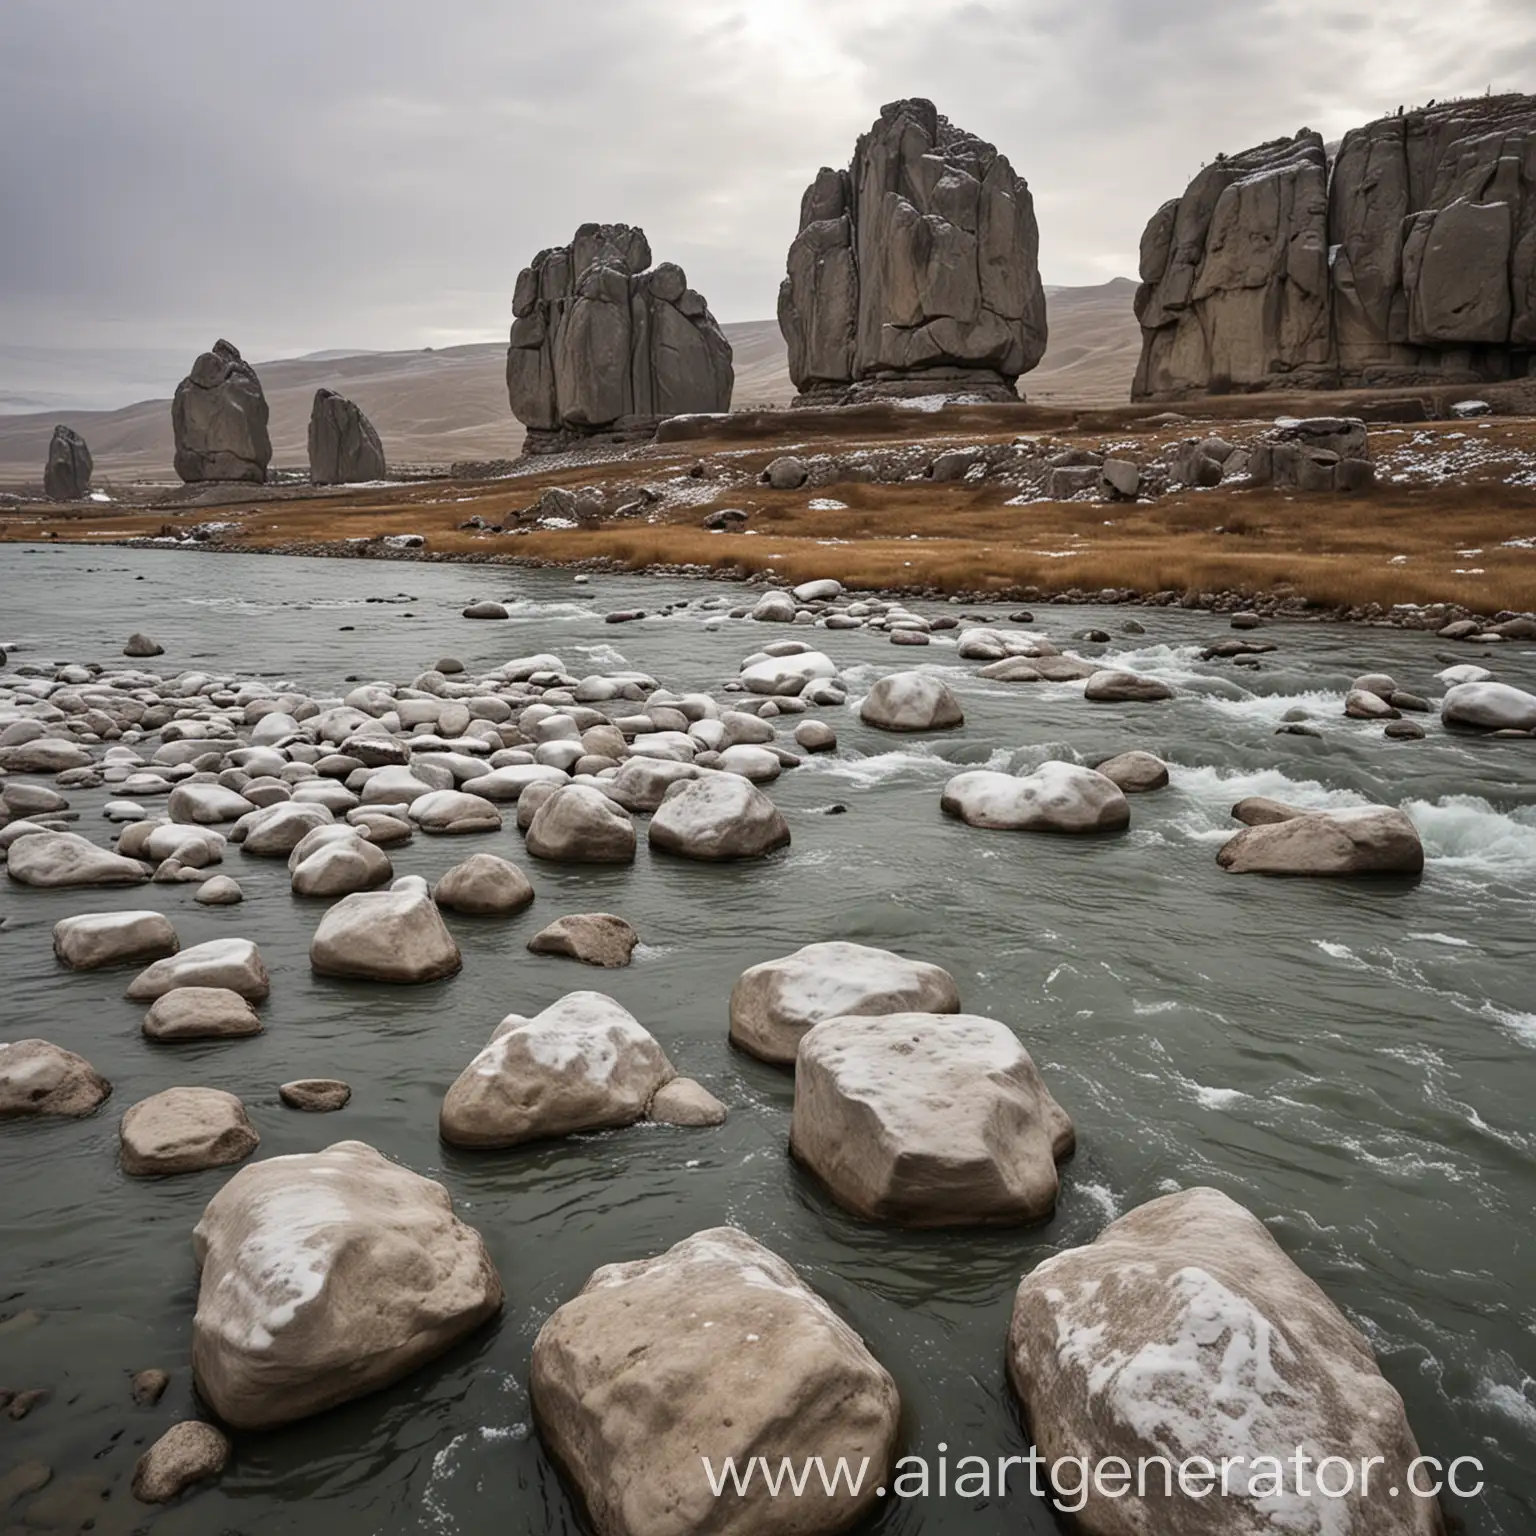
(344, 449)
(1409, 258)
(916, 270)
(67, 474)
(603, 345)
(219, 417)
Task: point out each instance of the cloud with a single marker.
(374, 172)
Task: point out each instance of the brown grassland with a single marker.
(1405, 542)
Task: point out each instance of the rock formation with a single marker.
(915, 271)
(1409, 258)
(219, 417)
(67, 475)
(344, 449)
(602, 347)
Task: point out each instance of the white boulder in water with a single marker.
(58, 860)
(911, 701)
(1288, 840)
(232, 963)
(719, 817)
(1489, 707)
(40, 1078)
(394, 935)
(94, 939)
(1056, 797)
(787, 675)
(579, 824)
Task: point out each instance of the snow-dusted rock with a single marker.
(201, 1013)
(579, 824)
(1484, 707)
(1112, 686)
(276, 830)
(40, 1078)
(641, 783)
(326, 1276)
(630, 1391)
(206, 804)
(787, 675)
(1186, 1331)
(484, 886)
(221, 891)
(911, 701)
(719, 817)
(342, 866)
(1056, 797)
(403, 786)
(1357, 840)
(232, 963)
(815, 736)
(185, 1130)
(58, 860)
(506, 784)
(94, 939)
(927, 1119)
(756, 764)
(826, 590)
(394, 935)
(583, 1064)
(775, 1003)
(454, 812)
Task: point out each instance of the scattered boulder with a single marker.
(187, 1453)
(219, 417)
(395, 935)
(40, 1078)
(928, 1120)
(1135, 772)
(185, 1130)
(206, 804)
(1363, 840)
(96, 939)
(452, 812)
(911, 701)
(717, 818)
(344, 449)
(141, 646)
(316, 1095)
(629, 1392)
(484, 611)
(583, 1064)
(775, 1003)
(579, 824)
(59, 860)
(234, 964)
(786, 473)
(1480, 706)
(484, 886)
(916, 270)
(67, 474)
(221, 891)
(686, 1103)
(148, 1387)
(1185, 1331)
(815, 736)
(1056, 797)
(326, 1276)
(1362, 705)
(341, 867)
(595, 938)
(201, 1013)
(1112, 687)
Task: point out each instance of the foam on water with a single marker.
(1468, 834)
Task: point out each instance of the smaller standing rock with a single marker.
(96, 939)
(596, 938)
(232, 963)
(141, 645)
(344, 449)
(40, 1078)
(484, 886)
(185, 1130)
(221, 891)
(911, 701)
(685, 1102)
(1135, 772)
(67, 475)
(316, 1095)
(187, 1453)
(201, 1013)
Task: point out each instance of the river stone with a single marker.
(235, 964)
(583, 1064)
(484, 886)
(316, 1095)
(509, 783)
(326, 1276)
(815, 736)
(686, 1103)
(1483, 706)
(787, 676)
(395, 935)
(717, 818)
(916, 270)
(219, 418)
(596, 938)
(40, 1078)
(629, 1392)
(59, 860)
(187, 1453)
(775, 1003)
(1186, 1331)
(1359, 704)
(452, 812)
(1135, 772)
(579, 824)
(221, 891)
(641, 783)
(927, 1120)
(344, 449)
(276, 830)
(1113, 687)
(597, 338)
(44, 754)
(911, 701)
(1360, 840)
(148, 1387)
(67, 474)
(201, 1013)
(759, 765)
(1056, 797)
(95, 939)
(206, 804)
(185, 1130)
(341, 868)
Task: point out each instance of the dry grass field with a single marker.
(1456, 521)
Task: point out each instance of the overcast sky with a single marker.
(308, 174)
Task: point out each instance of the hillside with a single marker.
(435, 407)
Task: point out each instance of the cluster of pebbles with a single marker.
(330, 1275)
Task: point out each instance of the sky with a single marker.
(301, 175)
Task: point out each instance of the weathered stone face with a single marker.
(597, 339)
(917, 269)
(219, 417)
(1410, 259)
(67, 475)
(344, 449)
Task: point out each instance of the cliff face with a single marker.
(1410, 259)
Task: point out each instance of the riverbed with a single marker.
(1356, 1062)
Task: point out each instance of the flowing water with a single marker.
(1356, 1062)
